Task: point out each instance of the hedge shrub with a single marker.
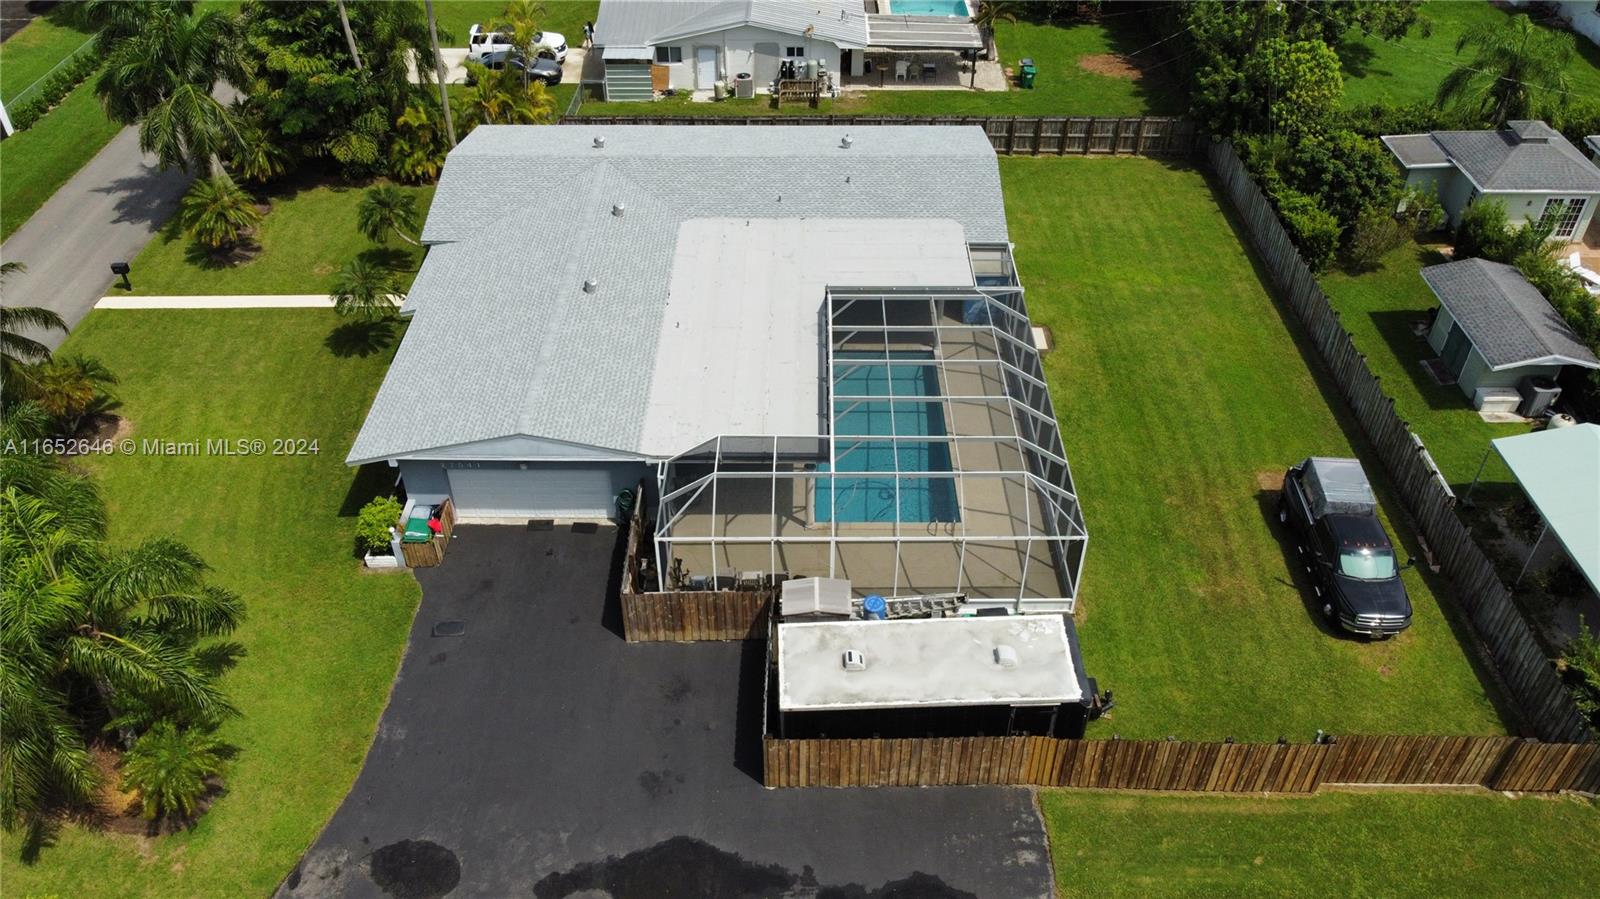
(56, 86)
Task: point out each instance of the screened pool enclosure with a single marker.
(941, 470)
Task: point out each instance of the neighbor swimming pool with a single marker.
(915, 411)
(956, 8)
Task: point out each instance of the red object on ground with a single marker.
(436, 525)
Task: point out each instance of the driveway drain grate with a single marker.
(541, 524)
(455, 627)
(585, 527)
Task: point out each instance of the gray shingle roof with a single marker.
(1524, 156)
(504, 341)
(649, 22)
(1416, 150)
(1504, 316)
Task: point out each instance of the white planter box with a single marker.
(385, 561)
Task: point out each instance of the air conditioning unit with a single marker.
(1538, 394)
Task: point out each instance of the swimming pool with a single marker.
(955, 8)
(915, 411)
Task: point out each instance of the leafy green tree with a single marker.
(1253, 74)
(417, 152)
(162, 75)
(520, 21)
(256, 157)
(1517, 69)
(387, 208)
(497, 98)
(991, 12)
(17, 350)
(374, 521)
(88, 632)
(365, 290)
(218, 212)
(170, 768)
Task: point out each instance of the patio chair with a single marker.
(1590, 278)
(930, 71)
(902, 70)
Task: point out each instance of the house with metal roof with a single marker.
(810, 344)
(1527, 166)
(1499, 337)
(652, 45)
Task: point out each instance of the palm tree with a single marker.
(387, 208)
(1513, 62)
(16, 351)
(521, 21)
(349, 36)
(162, 77)
(71, 389)
(438, 65)
(89, 633)
(218, 212)
(256, 158)
(416, 153)
(365, 290)
(496, 98)
(170, 767)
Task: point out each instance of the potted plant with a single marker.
(374, 534)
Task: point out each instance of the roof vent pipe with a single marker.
(846, 142)
(591, 285)
(599, 142)
(617, 209)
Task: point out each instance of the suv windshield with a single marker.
(1367, 564)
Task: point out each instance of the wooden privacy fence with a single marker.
(1011, 135)
(688, 616)
(1498, 763)
(1529, 677)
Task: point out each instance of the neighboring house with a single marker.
(1526, 166)
(1582, 16)
(810, 345)
(652, 45)
(1496, 333)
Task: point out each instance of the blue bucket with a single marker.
(875, 608)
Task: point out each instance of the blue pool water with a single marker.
(870, 499)
(957, 8)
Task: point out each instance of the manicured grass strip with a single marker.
(1332, 844)
(1380, 309)
(1183, 397)
(33, 51)
(307, 236)
(565, 17)
(323, 637)
(1409, 70)
(36, 162)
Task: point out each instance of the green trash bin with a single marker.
(1029, 72)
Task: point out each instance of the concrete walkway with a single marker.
(267, 301)
(105, 213)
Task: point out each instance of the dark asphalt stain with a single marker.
(687, 868)
(438, 658)
(658, 783)
(293, 880)
(677, 689)
(415, 869)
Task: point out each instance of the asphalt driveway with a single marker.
(537, 754)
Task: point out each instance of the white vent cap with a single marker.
(591, 285)
(846, 142)
(599, 142)
(855, 660)
(1005, 656)
(617, 209)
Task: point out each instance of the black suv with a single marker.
(1330, 507)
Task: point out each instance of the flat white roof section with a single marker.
(741, 340)
(928, 662)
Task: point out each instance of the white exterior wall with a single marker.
(1453, 195)
(1583, 16)
(1520, 207)
(736, 50)
(1476, 375)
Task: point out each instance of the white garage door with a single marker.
(536, 492)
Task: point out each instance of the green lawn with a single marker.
(323, 637)
(307, 236)
(35, 49)
(1379, 309)
(1409, 70)
(36, 162)
(1064, 87)
(1332, 844)
(565, 17)
(1183, 397)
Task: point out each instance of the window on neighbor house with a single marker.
(1561, 214)
(794, 51)
(669, 54)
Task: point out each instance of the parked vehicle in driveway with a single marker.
(541, 69)
(1329, 507)
(481, 43)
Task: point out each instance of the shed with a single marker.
(1559, 470)
(1497, 335)
(815, 596)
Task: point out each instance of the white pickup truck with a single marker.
(481, 44)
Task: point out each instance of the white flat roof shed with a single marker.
(926, 663)
(1559, 470)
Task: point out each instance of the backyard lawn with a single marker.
(1066, 85)
(1332, 844)
(1379, 309)
(323, 637)
(36, 162)
(308, 235)
(1409, 70)
(35, 49)
(1183, 397)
